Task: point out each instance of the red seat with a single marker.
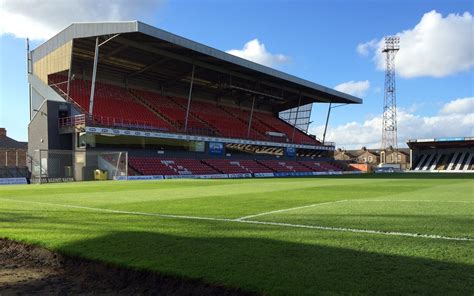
(117, 106)
(285, 166)
(113, 105)
(321, 166)
(164, 166)
(232, 166)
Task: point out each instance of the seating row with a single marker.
(180, 166)
(116, 106)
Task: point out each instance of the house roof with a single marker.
(405, 151)
(359, 152)
(348, 153)
(7, 142)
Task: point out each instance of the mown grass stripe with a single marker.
(239, 220)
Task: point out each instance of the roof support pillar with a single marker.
(126, 165)
(68, 82)
(29, 70)
(69, 72)
(189, 99)
(327, 120)
(296, 119)
(94, 73)
(94, 69)
(251, 116)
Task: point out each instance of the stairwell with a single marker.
(240, 166)
(254, 120)
(152, 109)
(262, 164)
(196, 116)
(210, 165)
(306, 166)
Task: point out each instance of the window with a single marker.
(370, 158)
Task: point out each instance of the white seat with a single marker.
(451, 163)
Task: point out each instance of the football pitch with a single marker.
(295, 236)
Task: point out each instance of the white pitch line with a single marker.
(412, 200)
(345, 200)
(120, 211)
(289, 209)
(329, 228)
(355, 230)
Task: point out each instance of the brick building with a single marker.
(401, 157)
(374, 157)
(343, 155)
(371, 157)
(12, 153)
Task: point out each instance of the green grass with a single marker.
(270, 259)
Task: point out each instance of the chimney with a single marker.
(3, 132)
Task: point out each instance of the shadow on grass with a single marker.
(275, 267)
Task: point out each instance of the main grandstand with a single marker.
(125, 94)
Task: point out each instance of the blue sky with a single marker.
(318, 40)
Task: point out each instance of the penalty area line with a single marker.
(254, 222)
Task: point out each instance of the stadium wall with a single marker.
(43, 130)
(57, 61)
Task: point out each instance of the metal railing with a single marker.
(72, 121)
(84, 119)
(67, 98)
(90, 120)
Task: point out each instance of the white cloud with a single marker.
(365, 48)
(378, 90)
(437, 46)
(41, 19)
(255, 51)
(355, 88)
(459, 106)
(455, 118)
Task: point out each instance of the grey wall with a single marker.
(43, 130)
(38, 131)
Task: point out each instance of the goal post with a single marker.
(115, 163)
(51, 166)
